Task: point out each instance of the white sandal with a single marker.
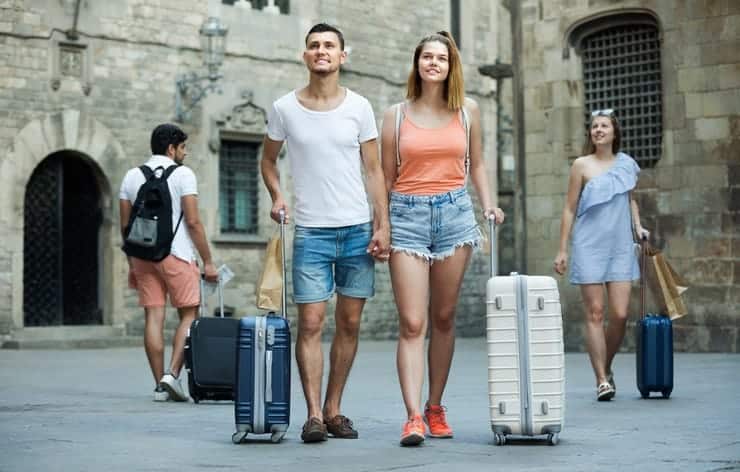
(605, 392)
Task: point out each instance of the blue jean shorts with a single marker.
(434, 226)
(329, 259)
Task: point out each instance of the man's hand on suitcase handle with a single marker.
(278, 205)
(210, 273)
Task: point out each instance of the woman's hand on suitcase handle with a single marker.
(642, 233)
(561, 263)
(497, 213)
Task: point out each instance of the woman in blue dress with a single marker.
(601, 213)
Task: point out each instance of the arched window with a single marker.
(622, 71)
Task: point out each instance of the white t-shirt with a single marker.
(324, 156)
(181, 182)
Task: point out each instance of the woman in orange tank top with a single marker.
(433, 227)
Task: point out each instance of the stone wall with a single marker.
(690, 200)
(131, 51)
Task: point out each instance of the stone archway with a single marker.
(73, 139)
(61, 242)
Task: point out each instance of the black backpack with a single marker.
(148, 234)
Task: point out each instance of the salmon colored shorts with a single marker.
(173, 276)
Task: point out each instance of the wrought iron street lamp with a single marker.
(190, 88)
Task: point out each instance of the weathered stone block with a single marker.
(696, 79)
(729, 76)
(707, 129)
(718, 54)
(710, 175)
(713, 247)
(710, 272)
(671, 225)
(704, 224)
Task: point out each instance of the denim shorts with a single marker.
(325, 258)
(433, 226)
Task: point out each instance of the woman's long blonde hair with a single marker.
(454, 90)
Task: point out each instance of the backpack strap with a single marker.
(166, 174)
(399, 119)
(148, 173)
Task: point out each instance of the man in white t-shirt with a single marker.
(331, 137)
(176, 275)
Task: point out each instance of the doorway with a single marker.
(61, 242)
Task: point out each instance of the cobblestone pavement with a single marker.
(92, 410)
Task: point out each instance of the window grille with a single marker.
(621, 70)
(239, 184)
(283, 5)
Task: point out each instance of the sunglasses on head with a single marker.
(604, 112)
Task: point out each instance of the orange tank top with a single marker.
(432, 159)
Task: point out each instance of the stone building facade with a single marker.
(685, 130)
(83, 83)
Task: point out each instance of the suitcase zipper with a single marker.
(259, 375)
(523, 321)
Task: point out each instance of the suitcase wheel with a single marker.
(645, 393)
(196, 398)
(666, 393)
(238, 437)
(277, 436)
(553, 439)
(499, 439)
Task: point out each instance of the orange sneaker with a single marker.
(435, 418)
(413, 432)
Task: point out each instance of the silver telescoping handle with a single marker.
(492, 238)
(203, 305)
(220, 289)
(284, 290)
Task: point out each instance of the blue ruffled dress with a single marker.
(602, 246)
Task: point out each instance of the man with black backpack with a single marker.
(160, 224)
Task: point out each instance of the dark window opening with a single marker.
(283, 5)
(239, 184)
(621, 71)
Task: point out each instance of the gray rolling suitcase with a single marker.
(526, 361)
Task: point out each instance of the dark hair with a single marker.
(164, 135)
(454, 90)
(589, 147)
(323, 28)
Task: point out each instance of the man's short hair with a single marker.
(164, 135)
(324, 27)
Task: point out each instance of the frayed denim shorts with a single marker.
(433, 226)
(329, 259)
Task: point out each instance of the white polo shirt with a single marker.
(324, 155)
(181, 182)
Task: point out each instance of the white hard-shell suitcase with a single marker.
(526, 361)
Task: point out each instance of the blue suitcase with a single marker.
(654, 346)
(263, 360)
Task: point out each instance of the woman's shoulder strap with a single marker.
(399, 113)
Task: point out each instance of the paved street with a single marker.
(91, 410)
